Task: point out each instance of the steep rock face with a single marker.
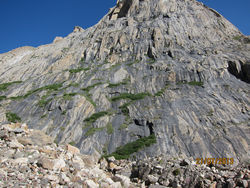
(173, 68)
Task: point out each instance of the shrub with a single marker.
(12, 117)
(123, 126)
(64, 112)
(82, 60)
(43, 116)
(210, 113)
(124, 152)
(176, 172)
(124, 108)
(72, 143)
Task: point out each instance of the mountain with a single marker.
(152, 77)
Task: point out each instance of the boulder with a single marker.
(72, 149)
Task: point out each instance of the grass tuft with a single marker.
(52, 87)
(110, 129)
(124, 108)
(130, 96)
(161, 92)
(194, 83)
(44, 101)
(68, 96)
(72, 143)
(237, 37)
(72, 71)
(12, 117)
(2, 97)
(87, 89)
(5, 86)
(92, 131)
(176, 172)
(123, 126)
(96, 116)
(88, 98)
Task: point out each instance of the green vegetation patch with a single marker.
(74, 84)
(194, 83)
(124, 108)
(117, 84)
(79, 70)
(133, 62)
(124, 152)
(2, 97)
(92, 131)
(12, 117)
(130, 96)
(161, 92)
(52, 87)
(124, 82)
(82, 60)
(5, 86)
(72, 143)
(123, 126)
(88, 98)
(96, 116)
(110, 129)
(151, 61)
(237, 37)
(114, 66)
(176, 172)
(44, 101)
(43, 116)
(87, 89)
(68, 96)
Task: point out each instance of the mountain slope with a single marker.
(175, 69)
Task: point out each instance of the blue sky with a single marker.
(37, 22)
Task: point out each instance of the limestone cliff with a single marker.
(175, 69)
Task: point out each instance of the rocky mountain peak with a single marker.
(160, 24)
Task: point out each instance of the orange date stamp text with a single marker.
(215, 161)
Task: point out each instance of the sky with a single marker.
(38, 22)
